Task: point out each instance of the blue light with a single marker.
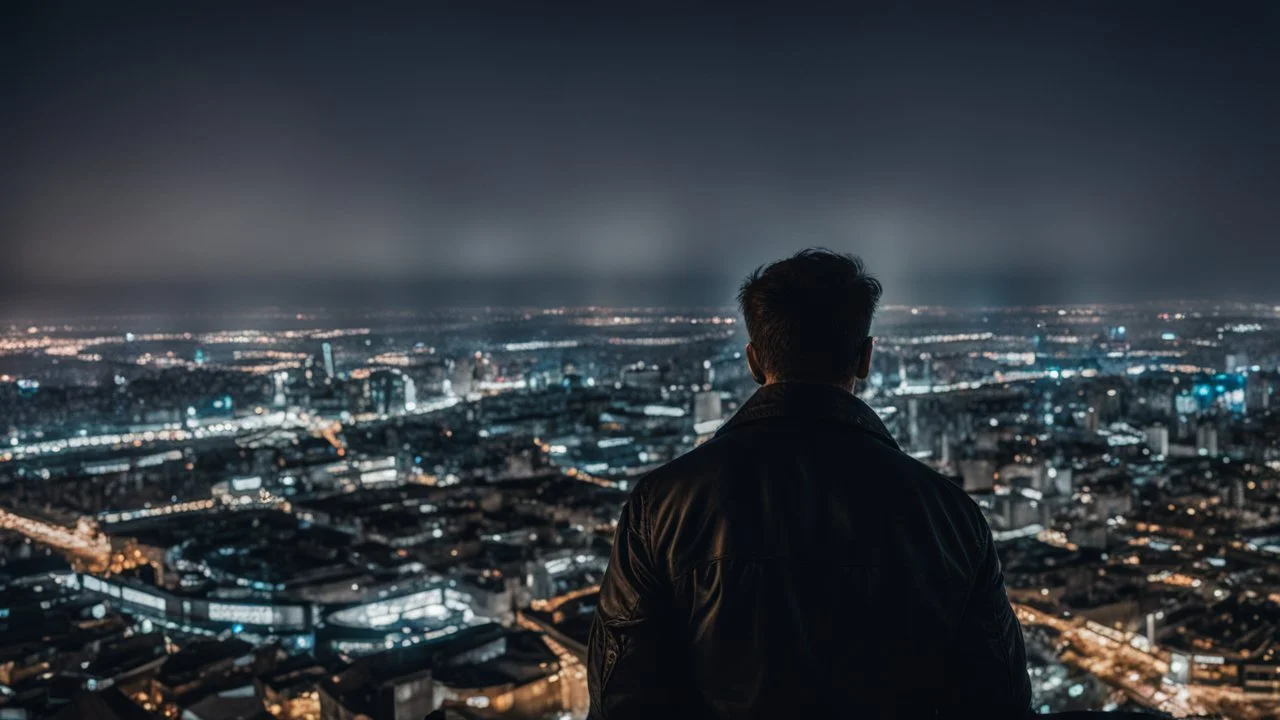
(237, 628)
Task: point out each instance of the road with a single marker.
(1110, 656)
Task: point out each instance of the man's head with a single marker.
(809, 318)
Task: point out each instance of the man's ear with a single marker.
(864, 362)
(753, 365)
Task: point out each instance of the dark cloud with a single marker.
(1086, 143)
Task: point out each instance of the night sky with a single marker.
(1108, 150)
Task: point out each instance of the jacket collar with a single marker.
(808, 401)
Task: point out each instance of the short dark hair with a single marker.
(809, 316)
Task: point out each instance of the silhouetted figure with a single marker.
(800, 565)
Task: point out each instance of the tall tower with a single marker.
(1236, 494)
(1158, 439)
(913, 422)
(278, 398)
(462, 375)
(1207, 439)
(1091, 420)
(326, 350)
(410, 393)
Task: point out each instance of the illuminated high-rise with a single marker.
(326, 350)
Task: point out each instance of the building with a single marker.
(326, 352)
(978, 474)
(1258, 391)
(461, 376)
(387, 391)
(1158, 440)
(1207, 439)
(488, 670)
(706, 407)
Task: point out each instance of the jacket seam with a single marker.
(995, 633)
(613, 647)
(646, 526)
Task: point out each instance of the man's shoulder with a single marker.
(748, 449)
(901, 464)
(708, 458)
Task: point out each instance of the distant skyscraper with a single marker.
(387, 391)
(1060, 480)
(1092, 420)
(327, 351)
(1257, 393)
(706, 407)
(979, 474)
(1236, 495)
(278, 398)
(410, 393)
(1207, 439)
(462, 376)
(1158, 439)
(913, 422)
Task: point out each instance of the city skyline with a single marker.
(36, 300)
(342, 501)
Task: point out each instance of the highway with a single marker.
(94, 551)
(1110, 656)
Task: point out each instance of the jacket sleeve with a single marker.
(632, 648)
(989, 659)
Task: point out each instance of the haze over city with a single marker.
(1090, 151)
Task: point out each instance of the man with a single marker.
(800, 565)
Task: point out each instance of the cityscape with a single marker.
(324, 514)
(334, 338)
